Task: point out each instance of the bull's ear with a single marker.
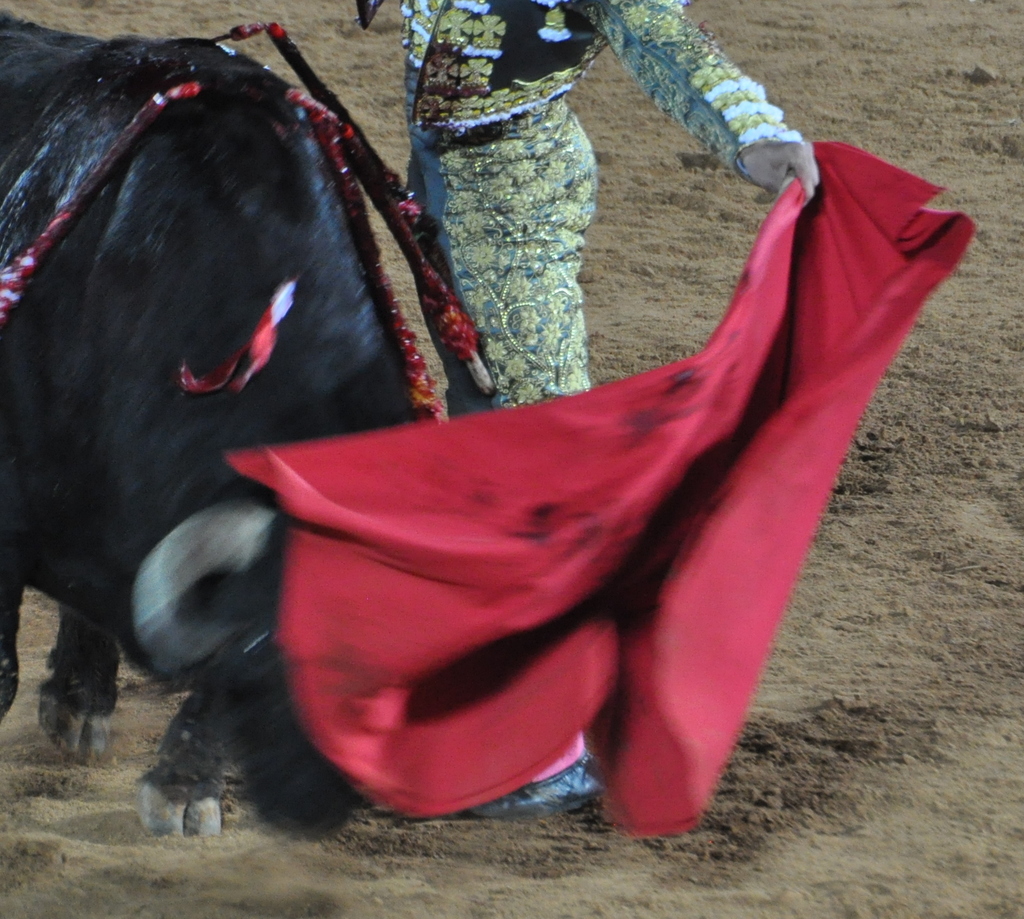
(220, 541)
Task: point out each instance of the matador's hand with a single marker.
(773, 165)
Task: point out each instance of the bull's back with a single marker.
(34, 65)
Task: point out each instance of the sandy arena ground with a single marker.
(882, 773)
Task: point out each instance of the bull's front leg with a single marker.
(180, 796)
(13, 566)
(10, 602)
(77, 701)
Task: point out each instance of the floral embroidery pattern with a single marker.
(516, 213)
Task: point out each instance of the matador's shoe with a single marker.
(564, 791)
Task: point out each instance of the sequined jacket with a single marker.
(484, 61)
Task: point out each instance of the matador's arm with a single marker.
(688, 77)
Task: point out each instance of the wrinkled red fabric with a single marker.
(459, 600)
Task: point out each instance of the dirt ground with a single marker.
(882, 772)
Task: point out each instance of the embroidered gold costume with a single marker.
(517, 209)
(502, 162)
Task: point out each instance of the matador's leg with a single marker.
(519, 198)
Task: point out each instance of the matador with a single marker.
(501, 163)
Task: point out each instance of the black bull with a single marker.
(102, 454)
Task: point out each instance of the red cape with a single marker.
(460, 600)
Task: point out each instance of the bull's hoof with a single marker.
(84, 736)
(164, 816)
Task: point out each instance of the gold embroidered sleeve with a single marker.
(686, 74)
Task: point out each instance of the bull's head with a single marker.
(211, 545)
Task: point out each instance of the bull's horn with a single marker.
(223, 539)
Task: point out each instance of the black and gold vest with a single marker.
(481, 62)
